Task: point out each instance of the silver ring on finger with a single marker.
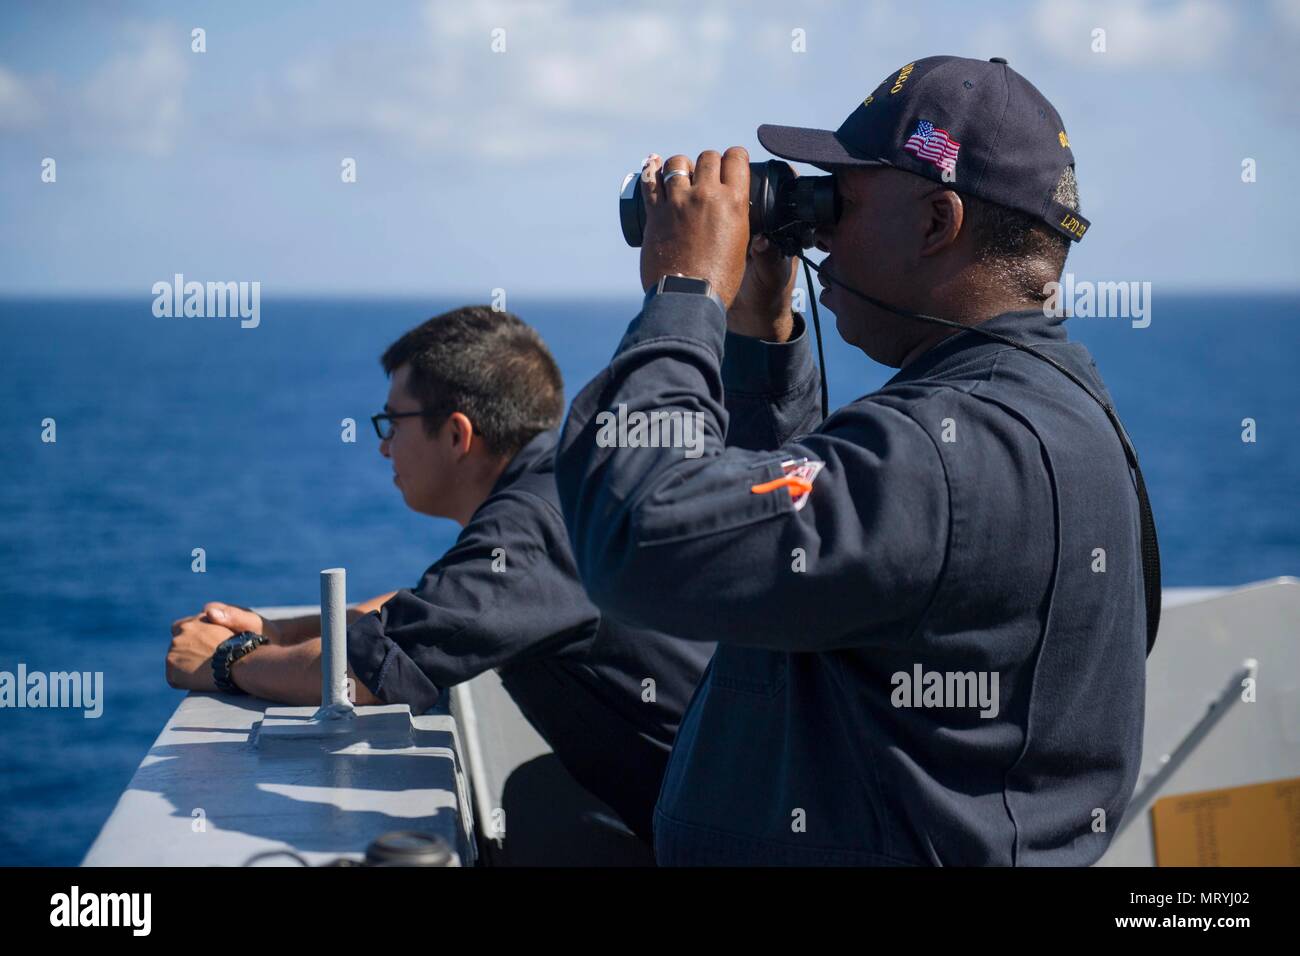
(676, 172)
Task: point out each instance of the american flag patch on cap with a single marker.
(935, 146)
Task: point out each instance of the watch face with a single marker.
(684, 284)
(235, 644)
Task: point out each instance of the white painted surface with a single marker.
(328, 802)
(1201, 644)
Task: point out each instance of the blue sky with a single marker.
(479, 170)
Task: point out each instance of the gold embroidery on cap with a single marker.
(867, 101)
(903, 74)
(1064, 142)
(1070, 224)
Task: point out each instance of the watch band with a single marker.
(688, 284)
(229, 651)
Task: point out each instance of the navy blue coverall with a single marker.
(507, 596)
(975, 519)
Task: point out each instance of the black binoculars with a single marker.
(785, 208)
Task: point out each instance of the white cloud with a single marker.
(350, 94)
(19, 107)
(1288, 14)
(134, 99)
(137, 95)
(1138, 33)
(562, 68)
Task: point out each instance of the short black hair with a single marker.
(1024, 252)
(490, 366)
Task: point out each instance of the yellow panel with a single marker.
(1258, 825)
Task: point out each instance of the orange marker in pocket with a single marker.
(797, 485)
(798, 480)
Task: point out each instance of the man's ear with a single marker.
(459, 430)
(944, 216)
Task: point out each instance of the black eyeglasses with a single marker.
(383, 422)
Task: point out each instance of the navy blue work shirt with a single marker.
(507, 596)
(972, 536)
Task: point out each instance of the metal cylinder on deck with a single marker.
(334, 645)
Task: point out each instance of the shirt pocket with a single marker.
(713, 498)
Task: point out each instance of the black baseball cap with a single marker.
(978, 126)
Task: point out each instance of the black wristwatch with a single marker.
(689, 284)
(229, 651)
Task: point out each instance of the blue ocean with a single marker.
(182, 433)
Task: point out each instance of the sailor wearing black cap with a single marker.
(929, 607)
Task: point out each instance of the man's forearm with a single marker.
(288, 674)
(770, 327)
(296, 630)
